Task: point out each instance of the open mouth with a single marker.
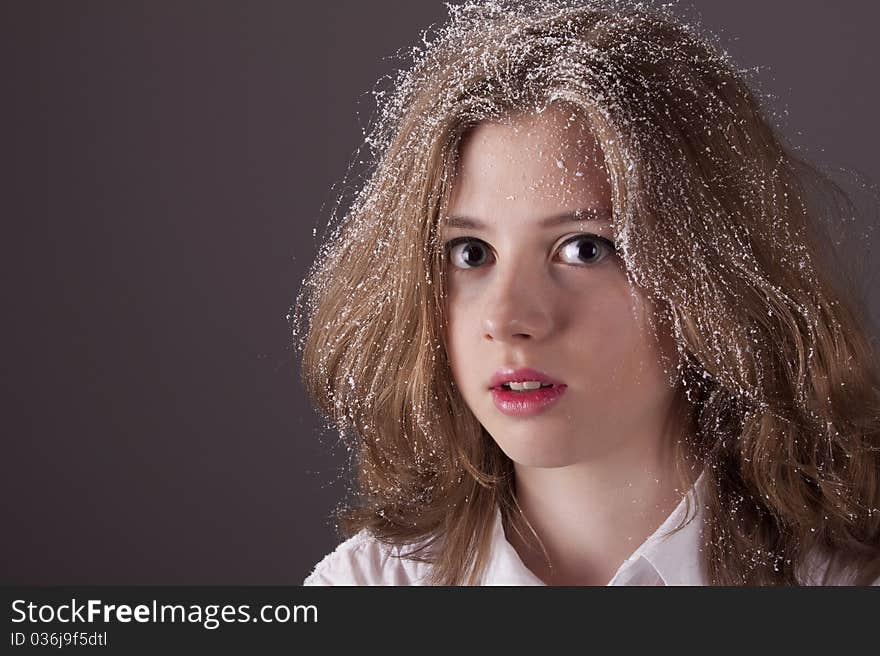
(526, 398)
(525, 387)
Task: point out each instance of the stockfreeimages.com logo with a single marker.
(209, 616)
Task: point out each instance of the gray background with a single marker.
(164, 164)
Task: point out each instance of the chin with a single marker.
(536, 450)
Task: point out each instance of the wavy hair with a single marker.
(718, 222)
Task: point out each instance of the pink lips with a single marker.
(529, 402)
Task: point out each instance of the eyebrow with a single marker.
(577, 216)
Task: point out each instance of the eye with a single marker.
(586, 249)
(467, 252)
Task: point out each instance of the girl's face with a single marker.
(536, 294)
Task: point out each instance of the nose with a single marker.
(517, 307)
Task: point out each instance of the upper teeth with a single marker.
(525, 385)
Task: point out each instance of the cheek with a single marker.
(615, 344)
(466, 347)
(458, 330)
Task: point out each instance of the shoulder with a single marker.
(364, 560)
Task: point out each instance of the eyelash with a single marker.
(607, 244)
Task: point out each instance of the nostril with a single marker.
(489, 337)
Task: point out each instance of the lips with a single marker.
(503, 376)
(528, 402)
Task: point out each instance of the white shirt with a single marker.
(667, 557)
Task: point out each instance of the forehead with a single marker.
(555, 127)
(548, 161)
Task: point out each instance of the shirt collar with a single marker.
(673, 556)
(676, 556)
(505, 566)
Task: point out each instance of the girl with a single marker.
(576, 328)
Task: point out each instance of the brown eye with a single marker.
(467, 253)
(586, 249)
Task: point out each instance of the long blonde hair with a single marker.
(714, 219)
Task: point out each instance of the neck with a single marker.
(592, 515)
